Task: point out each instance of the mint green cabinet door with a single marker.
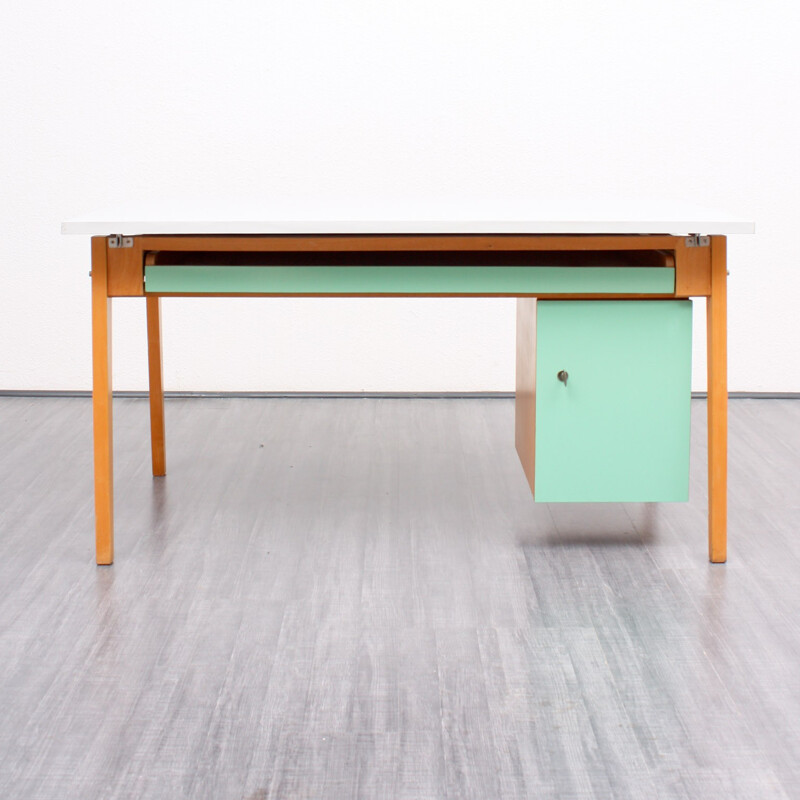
(618, 430)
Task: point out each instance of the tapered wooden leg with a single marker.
(716, 314)
(157, 440)
(101, 405)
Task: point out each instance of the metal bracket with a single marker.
(120, 241)
(695, 240)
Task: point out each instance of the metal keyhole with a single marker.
(562, 376)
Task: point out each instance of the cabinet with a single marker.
(604, 390)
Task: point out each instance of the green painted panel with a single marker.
(619, 430)
(478, 280)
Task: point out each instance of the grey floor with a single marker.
(358, 598)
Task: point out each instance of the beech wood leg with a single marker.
(157, 440)
(101, 405)
(716, 314)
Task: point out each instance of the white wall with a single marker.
(367, 101)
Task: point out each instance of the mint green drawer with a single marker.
(354, 280)
(619, 429)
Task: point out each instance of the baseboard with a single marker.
(352, 395)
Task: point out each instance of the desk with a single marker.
(551, 263)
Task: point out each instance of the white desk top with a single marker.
(543, 218)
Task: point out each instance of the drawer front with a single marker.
(407, 280)
(618, 430)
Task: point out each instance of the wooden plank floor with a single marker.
(357, 598)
